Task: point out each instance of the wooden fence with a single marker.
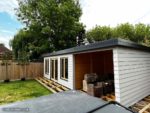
(16, 71)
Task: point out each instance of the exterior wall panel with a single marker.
(68, 83)
(133, 68)
(116, 74)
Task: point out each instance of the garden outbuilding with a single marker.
(124, 62)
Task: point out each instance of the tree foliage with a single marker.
(99, 33)
(30, 43)
(125, 31)
(50, 25)
(139, 33)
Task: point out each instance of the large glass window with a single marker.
(54, 69)
(47, 66)
(64, 68)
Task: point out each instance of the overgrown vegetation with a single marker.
(20, 90)
(50, 25)
(139, 33)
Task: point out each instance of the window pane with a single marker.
(56, 69)
(61, 68)
(52, 69)
(47, 66)
(66, 68)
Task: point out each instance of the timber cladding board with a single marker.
(133, 68)
(82, 66)
(94, 62)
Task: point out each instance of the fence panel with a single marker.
(16, 71)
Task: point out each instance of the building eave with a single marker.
(99, 45)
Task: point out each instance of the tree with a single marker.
(142, 34)
(147, 36)
(125, 31)
(99, 33)
(29, 42)
(139, 33)
(52, 21)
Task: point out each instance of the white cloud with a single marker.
(7, 31)
(113, 12)
(6, 36)
(8, 6)
(5, 39)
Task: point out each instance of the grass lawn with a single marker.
(21, 90)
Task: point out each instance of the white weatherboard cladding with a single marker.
(116, 74)
(132, 75)
(68, 83)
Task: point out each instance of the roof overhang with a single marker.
(100, 45)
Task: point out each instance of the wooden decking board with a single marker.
(143, 106)
(51, 85)
(46, 86)
(136, 109)
(56, 86)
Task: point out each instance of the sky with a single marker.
(95, 12)
(9, 25)
(113, 12)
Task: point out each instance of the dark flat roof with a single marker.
(99, 45)
(64, 102)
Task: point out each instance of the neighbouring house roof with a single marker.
(3, 49)
(65, 102)
(100, 45)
